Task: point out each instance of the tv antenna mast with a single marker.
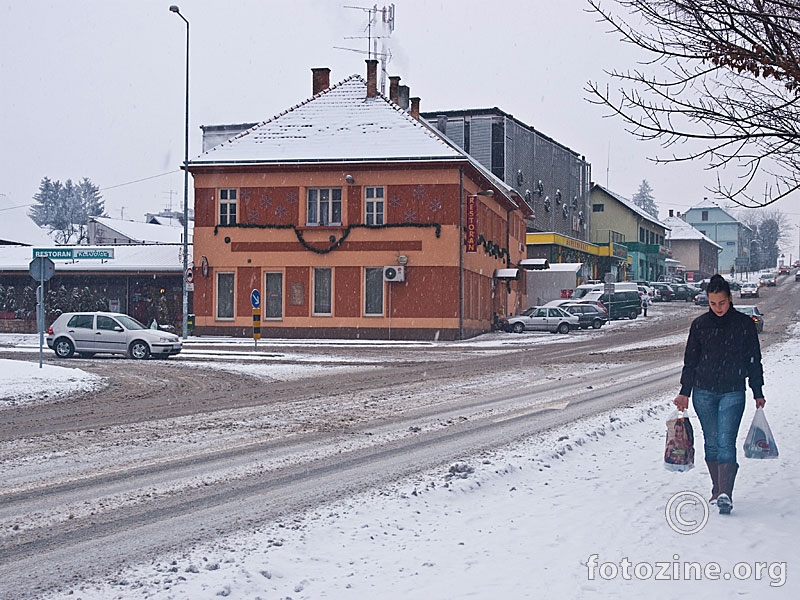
(380, 25)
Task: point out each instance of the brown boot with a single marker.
(727, 475)
(713, 470)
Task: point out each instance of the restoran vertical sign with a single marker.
(472, 224)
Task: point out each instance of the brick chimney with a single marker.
(394, 88)
(320, 80)
(415, 108)
(670, 212)
(372, 78)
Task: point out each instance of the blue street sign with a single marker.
(255, 298)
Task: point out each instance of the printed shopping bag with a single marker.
(679, 453)
(759, 442)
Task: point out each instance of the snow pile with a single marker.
(23, 382)
(579, 512)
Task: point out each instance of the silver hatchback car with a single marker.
(90, 333)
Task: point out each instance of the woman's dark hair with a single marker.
(718, 284)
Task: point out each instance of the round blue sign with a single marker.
(255, 298)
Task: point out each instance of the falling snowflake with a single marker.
(419, 192)
(435, 205)
(281, 211)
(394, 201)
(266, 201)
(410, 216)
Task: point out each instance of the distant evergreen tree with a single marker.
(64, 209)
(644, 199)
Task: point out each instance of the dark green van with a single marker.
(621, 305)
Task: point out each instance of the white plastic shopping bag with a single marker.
(679, 452)
(759, 442)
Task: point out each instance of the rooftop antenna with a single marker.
(384, 27)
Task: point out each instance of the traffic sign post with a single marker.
(42, 269)
(255, 301)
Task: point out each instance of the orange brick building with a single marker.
(353, 219)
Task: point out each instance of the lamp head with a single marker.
(174, 8)
(349, 179)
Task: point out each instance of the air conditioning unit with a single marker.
(397, 273)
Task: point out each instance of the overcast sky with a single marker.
(95, 88)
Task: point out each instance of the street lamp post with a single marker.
(184, 325)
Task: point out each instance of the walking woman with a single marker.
(721, 352)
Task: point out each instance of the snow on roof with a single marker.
(565, 267)
(681, 230)
(146, 233)
(157, 258)
(631, 205)
(706, 204)
(338, 124)
(16, 227)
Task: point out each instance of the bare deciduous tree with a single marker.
(723, 81)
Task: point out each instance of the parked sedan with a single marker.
(543, 318)
(93, 333)
(589, 315)
(749, 290)
(753, 313)
(685, 292)
(701, 299)
(665, 292)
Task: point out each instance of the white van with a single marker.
(620, 286)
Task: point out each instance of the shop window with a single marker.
(225, 296)
(322, 292)
(373, 291)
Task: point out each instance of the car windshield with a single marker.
(748, 310)
(129, 322)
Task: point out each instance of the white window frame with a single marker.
(314, 306)
(226, 203)
(374, 196)
(323, 211)
(217, 297)
(378, 273)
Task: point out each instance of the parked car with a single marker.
(685, 292)
(797, 276)
(701, 299)
(620, 305)
(543, 318)
(90, 333)
(596, 303)
(749, 290)
(768, 279)
(784, 270)
(589, 315)
(753, 313)
(665, 291)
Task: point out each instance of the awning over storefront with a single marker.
(534, 264)
(506, 274)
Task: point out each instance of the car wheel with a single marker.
(63, 348)
(563, 328)
(597, 323)
(518, 328)
(632, 315)
(139, 350)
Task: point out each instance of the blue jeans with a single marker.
(720, 415)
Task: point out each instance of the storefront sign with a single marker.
(472, 224)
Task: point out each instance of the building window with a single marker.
(373, 291)
(373, 209)
(227, 207)
(273, 284)
(642, 235)
(225, 296)
(704, 216)
(324, 206)
(322, 291)
(598, 207)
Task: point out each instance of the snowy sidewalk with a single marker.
(524, 524)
